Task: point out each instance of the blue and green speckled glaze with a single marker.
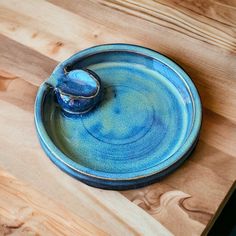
(146, 124)
(77, 91)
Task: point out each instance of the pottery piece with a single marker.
(77, 91)
(143, 123)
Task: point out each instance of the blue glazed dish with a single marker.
(142, 125)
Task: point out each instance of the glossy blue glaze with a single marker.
(77, 91)
(79, 83)
(146, 124)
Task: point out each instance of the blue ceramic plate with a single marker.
(146, 125)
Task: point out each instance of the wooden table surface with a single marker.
(40, 199)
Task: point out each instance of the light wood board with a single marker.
(36, 35)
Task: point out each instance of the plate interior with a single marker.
(145, 116)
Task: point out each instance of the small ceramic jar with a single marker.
(77, 90)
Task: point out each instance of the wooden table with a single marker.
(200, 35)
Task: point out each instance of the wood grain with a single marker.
(24, 211)
(169, 17)
(186, 193)
(199, 35)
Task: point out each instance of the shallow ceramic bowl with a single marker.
(146, 125)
